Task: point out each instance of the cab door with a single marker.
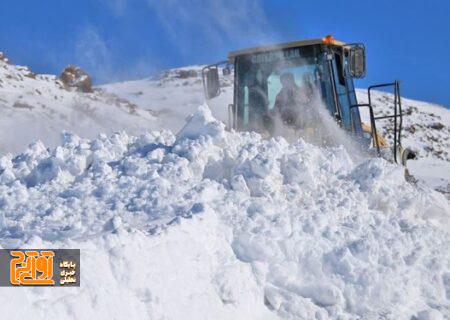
(345, 91)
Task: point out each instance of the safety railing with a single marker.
(397, 116)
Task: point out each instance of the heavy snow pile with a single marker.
(211, 224)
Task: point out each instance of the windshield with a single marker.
(276, 81)
(304, 76)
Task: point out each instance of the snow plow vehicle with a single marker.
(283, 79)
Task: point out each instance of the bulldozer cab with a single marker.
(292, 81)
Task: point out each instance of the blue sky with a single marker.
(128, 39)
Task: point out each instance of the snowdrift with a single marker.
(210, 224)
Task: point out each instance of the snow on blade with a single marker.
(211, 224)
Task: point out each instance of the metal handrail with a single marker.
(397, 112)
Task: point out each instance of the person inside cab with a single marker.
(290, 99)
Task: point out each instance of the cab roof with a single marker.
(328, 40)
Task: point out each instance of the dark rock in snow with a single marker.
(75, 77)
(4, 58)
(411, 129)
(437, 126)
(184, 74)
(22, 105)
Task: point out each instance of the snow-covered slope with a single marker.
(37, 107)
(173, 95)
(426, 126)
(210, 224)
(426, 130)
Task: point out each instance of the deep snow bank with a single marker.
(210, 224)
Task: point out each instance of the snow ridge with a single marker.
(216, 224)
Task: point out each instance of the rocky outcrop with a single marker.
(184, 74)
(3, 57)
(74, 77)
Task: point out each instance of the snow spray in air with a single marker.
(315, 125)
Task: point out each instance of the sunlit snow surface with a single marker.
(196, 222)
(210, 224)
